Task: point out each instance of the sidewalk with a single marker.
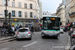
(7, 39)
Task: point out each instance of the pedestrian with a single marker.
(8, 27)
(17, 26)
(65, 29)
(40, 26)
(71, 31)
(3, 26)
(68, 28)
(26, 25)
(13, 28)
(32, 29)
(20, 26)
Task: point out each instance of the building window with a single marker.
(13, 3)
(31, 14)
(25, 5)
(30, 6)
(19, 13)
(25, 14)
(13, 13)
(19, 4)
(4, 2)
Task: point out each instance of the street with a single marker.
(37, 43)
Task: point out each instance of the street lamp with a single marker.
(6, 12)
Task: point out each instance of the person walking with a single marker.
(13, 28)
(32, 29)
(3, 26)
(26, 25)
(17, 26)
(8, 27)
(20, 26)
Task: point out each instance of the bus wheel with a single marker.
(42, 35)
(58, 36)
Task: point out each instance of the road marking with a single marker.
(30, 44)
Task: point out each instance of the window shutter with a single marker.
(3, 2)
(3, 13)
(32, 6)
(33, 14)
(16, 13)
(22, 13)
(29, 6)
(8, 3)
(29, 14)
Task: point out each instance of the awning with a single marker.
(69, 24)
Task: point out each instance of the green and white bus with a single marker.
(50, 26)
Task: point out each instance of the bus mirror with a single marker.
(60, 23)
(42, 28)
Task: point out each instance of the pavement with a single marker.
(37, 43)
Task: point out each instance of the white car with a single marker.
(24, 33)
(62, 30)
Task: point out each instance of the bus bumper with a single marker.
(50, 34)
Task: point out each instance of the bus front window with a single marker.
(51, 24)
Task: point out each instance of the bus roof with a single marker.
(51, 16)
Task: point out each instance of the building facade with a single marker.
(46, 13)
(72, 11)
(40, 10)
(67, 11)
(25, 11)
(61, 12)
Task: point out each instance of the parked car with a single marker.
(73, 34)
(24, 33)
(62, 30)
(72, 37)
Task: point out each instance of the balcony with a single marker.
(72, 14)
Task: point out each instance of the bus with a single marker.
(50, 26)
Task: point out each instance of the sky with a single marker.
(50, 5)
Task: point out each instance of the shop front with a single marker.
(16, 23)
(22, 21)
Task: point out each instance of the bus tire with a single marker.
(42, 35)
(58, 36)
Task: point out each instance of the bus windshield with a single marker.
(51, 24)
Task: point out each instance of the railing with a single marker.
(3, 32)
(73, 13)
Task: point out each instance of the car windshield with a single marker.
(23, 30)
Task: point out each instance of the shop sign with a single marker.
(29, 20)
(37, 20)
